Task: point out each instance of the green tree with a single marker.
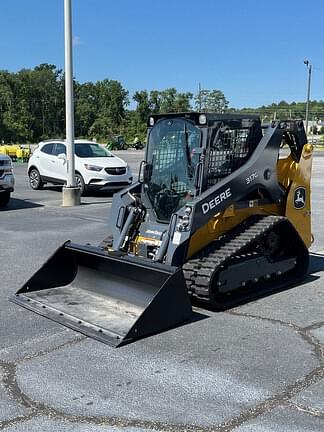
(211, 100)
(168, 97)
(6, 105)
(155, 101)
(40, 96)
(86, 108)
(102, 128)
(136, 120)
(113, 100)
(143, 108)
(183, 102)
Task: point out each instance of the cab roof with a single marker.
(210, 118)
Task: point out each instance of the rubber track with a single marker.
(199, 271)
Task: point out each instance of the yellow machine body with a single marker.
(291, 174)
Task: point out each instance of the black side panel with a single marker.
(259, 172)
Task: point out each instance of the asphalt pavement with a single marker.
(257, 367)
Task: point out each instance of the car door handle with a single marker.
(52, 160)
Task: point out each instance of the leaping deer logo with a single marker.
(300, 198)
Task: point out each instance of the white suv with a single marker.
(95, 166)
(7, 181)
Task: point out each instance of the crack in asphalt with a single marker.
(306, 409)
(275, 401)
(318, 348)
(314, 326)
(17, 420)
(50, 350)
(33, 339)
(10, 373)
(283, 398)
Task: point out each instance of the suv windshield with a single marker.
(172, 159)
(91, 150)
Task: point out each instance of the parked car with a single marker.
(7, 180)
(95, 166)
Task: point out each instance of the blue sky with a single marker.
(251, 50)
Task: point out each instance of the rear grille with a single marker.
(229, 150)
(116, 171)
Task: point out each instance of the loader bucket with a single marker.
(110, 298)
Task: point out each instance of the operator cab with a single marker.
(173, 158)
(190, 152)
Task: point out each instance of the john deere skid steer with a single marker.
(220, 215)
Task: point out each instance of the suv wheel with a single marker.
(35, 179)
(80, 183)
(4, 198)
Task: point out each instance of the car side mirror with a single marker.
(62, 156)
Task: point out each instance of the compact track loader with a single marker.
(218, 216)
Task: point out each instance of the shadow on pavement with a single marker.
(19, 204)
(89, 198)
(89, 194)
(195, 317)
(100, 193)
(53, 188)
(316, 263)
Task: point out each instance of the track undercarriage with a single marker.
(262, 255)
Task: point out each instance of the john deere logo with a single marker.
(300, 198)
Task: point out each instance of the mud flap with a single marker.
(109, 298)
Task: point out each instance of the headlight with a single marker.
(202, 119)
(92, 167)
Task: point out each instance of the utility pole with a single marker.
(309, 68)
(71, 193)
(313, 127)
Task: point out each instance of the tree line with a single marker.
(284, 110)
(32, 107)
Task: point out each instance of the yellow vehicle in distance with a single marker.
(16, 152)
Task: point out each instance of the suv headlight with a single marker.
(93, 167)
